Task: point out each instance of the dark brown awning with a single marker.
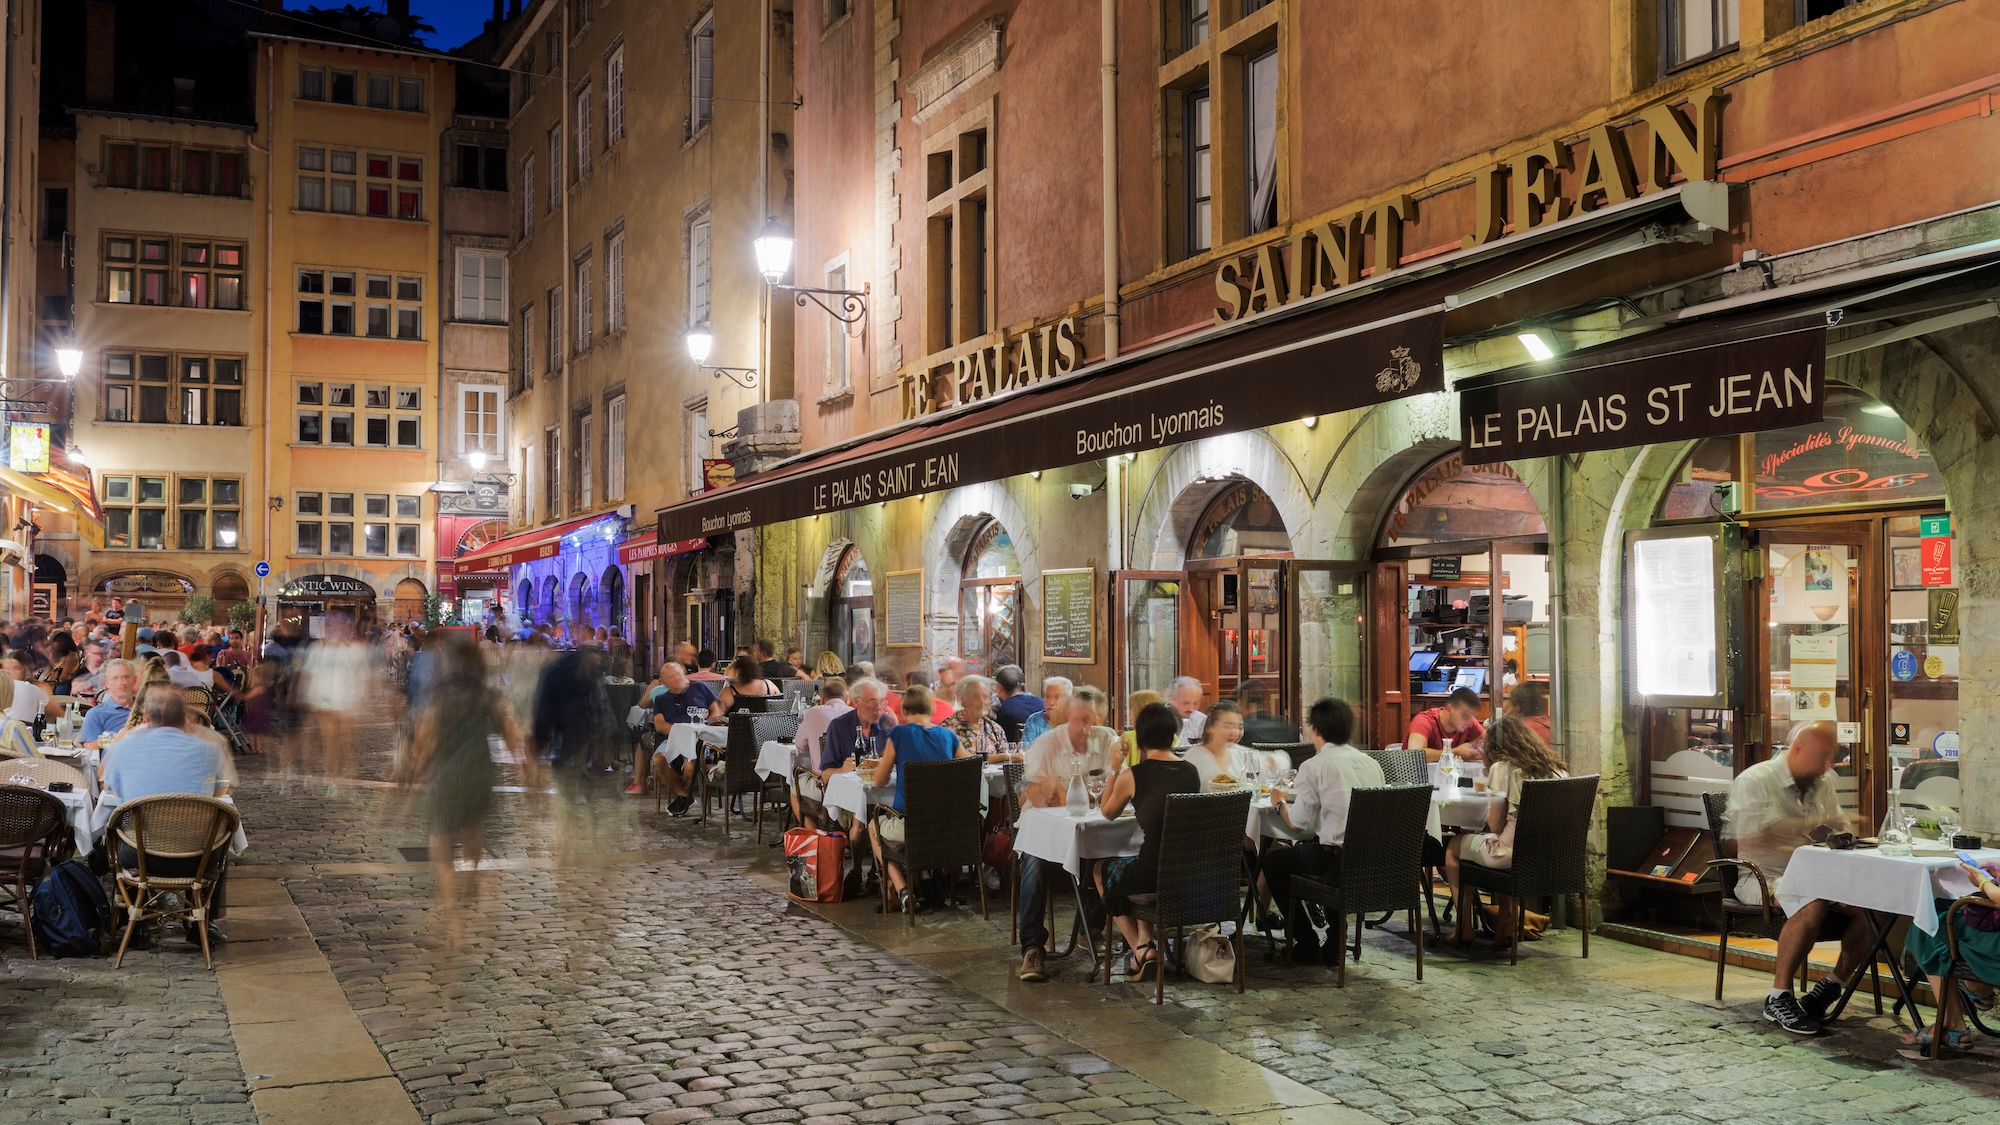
(1353, 350)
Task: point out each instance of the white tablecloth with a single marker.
(80, 809)
(1473, 770)
(100, 819)
(775, 759)
(1055, 836)
(1906, 885)
(847, 793)
(681, 738)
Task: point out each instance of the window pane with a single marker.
(152, 404)
(117, 404)
(309, 428)
(343, 285)
(411, 170)
(378, 200)
(340, 538)
(308, 537)
(408, 507)
(378, 165)
(228, 491)
(343, 320)
(409, 204)
(228, 291)
(194, 171)
(343, 87)
(409, 289)
(194, 290)
(378, 286)
(378, 320)
(375, 538)
(378, 91)
(118, 488)
(120, 249)
(406, 432)
(118, 527)
(152, 528)
(194, 527)
(118, 286)
(342, 199)
(312, 160)
(229, 174)
(152, 489)
(407, 539)
(410, 94)
(340, 504)
(378, 430)
(228, 408)
(152, 287)
(312, 316)
(376, 505)
(343, 162)
(341, 431)
(409, 398)
(225, 531)
(312, 83)
(194, 490)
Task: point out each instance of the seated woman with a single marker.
(1136, 702)
(1146, 786)
(1529, 702)
(974, 723)
(1514, 754)
(1220, 757)
(746, 678)
(916, 740)
(1978, 948)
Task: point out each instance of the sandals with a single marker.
(1959, 1039)
(1138, 968)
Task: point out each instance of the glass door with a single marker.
(1253, 630)
(1146, 615)
(1815, 647)
(1326, 642)
(1923, 676)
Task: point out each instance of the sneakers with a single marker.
(1784, 1010)
(679, 805)
(1821, 999)
(635, 787)
(1032, 969)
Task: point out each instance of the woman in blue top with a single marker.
(914, 741)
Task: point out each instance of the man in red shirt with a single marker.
(1456, 720)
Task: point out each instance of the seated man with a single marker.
(1081, 746)
(160, 757)
(861, 731)
(1055, 706)
(1318, 804)
(1774, 806)
(104, 721)
(1457, 722)
(683, 700)
(805, 749)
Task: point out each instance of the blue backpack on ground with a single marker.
(71, 912)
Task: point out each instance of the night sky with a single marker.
(456, 20)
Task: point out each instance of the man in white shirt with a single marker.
(1081, 745)
(1774, 807)
(805, 749)
(1184, 696)
(1318, 804)
(30, 701)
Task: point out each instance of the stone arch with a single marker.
(1374, 460)
(1183, 484)
(948, 533)
(62, 554)
(104, 572)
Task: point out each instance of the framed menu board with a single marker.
(1683, 629)
(903, 598)
(1069, 616)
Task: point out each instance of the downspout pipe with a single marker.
(1108, 99)
(9, 139)
(270, 231)
(1558, 574)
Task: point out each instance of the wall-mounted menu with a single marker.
(1676, 635)
(1069, 616)
(903, 595)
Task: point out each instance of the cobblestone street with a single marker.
(659, 975)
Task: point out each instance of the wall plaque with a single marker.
(903, 608)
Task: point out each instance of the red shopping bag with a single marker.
(813, 862)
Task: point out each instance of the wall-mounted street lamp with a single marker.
(69, 361)
(774, 261)
(477, 458)
(700, 342)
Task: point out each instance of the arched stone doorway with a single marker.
(51, 586)
(229, 591)
(409, 602)
(611, 600)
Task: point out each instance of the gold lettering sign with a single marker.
(988, 370)
(1542, 185)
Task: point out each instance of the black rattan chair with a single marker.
(1401, 767)
(1201, 871)
(747, 735)
(942, 822)
(1761, 921)
(32, 825)
(1551, 839)
(1299, 752)
(1956, 979)
(1381, 868)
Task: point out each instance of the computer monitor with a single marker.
(1474, 678)
(1421, 662)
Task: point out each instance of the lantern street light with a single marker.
(774, 260)
(700, 342)
(69, 361)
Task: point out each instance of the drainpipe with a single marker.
(1108, 96)
(270, 226)
(568, 284)
(763, 194)
(1558, 528)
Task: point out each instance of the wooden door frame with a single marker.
(1362, 572)
(1120, 689)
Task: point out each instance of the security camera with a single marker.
(1079, 490)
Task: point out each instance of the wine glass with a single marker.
(1093, 783)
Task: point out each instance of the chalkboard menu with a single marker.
(1069, 616)
(903, 593)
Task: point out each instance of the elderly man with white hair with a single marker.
(1184, 696)
(1055, 704)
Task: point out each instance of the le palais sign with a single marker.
(1519, 193)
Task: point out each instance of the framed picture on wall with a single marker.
(1907, 568)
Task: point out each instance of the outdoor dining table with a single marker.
(775, 759)
(1882, 887)
(1468, 812)
(1054, 836)
(847, 793)
(682, 739)
(75, 754)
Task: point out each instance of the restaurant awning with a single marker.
(81, 508)
(1744, 367)
(1352, 349)
(526, 546)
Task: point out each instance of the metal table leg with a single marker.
(1879, 951)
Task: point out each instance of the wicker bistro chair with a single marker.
(1201, 871)
(1957, 979)
(747, 734)
(170, 826)
(32, 825)
(1381, 868)
(1550, 844)
(1761, 921)
(942, 824)
(1401, 767)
